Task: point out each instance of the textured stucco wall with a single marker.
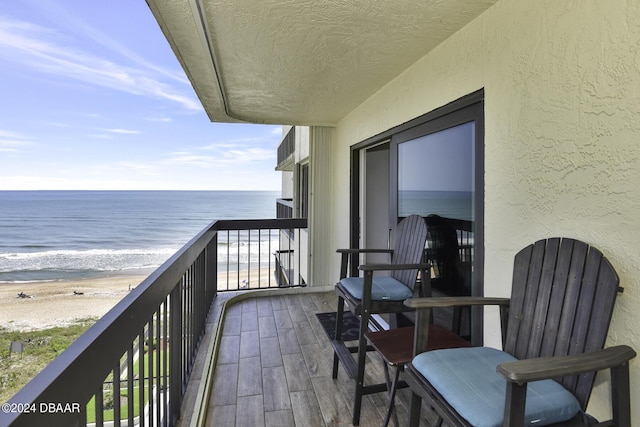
(562, 139)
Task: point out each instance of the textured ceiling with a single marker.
(301, 62)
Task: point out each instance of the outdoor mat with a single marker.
(349, 330)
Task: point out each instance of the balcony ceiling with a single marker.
(307, 62)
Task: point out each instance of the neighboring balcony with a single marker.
(287, 257)
(284, 208)
(286, 151)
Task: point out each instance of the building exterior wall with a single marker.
(287, 185)
(302, 144)
(320, 221)
(561, 80)
(313, 146)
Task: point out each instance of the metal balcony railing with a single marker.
(133, 365)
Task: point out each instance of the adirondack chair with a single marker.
(369, 295)
(443, 251)
(556, 324)
(452, 276)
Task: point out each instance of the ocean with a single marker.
(68, 235)
(449, 204)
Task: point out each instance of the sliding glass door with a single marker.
(437, 173)
(436, 170)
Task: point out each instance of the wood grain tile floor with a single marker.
(274, 369)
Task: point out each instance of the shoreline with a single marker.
(60, 303)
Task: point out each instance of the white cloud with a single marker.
(223, 156)
(71, 22)
(189, 159)
(66, 54)
(58, 124)
(143, 168)
(235, 143)
(160, 119)
(11, 142)
(46, 51)
(10, 134)
(123, 131)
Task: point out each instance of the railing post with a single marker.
(175, 352)
(211, 270)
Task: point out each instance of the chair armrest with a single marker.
(423, 308)
(437, 302)
(524, 371)
(376, 267)
(350, 253)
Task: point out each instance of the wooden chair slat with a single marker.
(585, 302)
(408, 247)
(520, 275)
(542, 300)
(604, 301)
(552, 332)
(571, 294)
(530, 296)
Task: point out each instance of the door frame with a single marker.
(462, 110)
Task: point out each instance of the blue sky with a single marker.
(92, 97)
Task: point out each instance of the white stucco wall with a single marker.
(286, 187)
(302, 144)
(562, 139)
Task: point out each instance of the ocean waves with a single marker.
(58, 264)
(67, 235)
(243, 253)
(52, 265)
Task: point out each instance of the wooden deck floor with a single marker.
(274, 369)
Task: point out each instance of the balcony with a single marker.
(284, 208)
(193, 344)
(286, 150)
(274, 369)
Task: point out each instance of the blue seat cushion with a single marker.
(383, 288)
(467, 379)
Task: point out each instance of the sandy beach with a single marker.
(60, 303)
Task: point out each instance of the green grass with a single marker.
(40, 348)
(124, 392)
(124, 407)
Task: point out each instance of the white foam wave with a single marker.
(87, 260)
(53, 264)
(247, 252)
